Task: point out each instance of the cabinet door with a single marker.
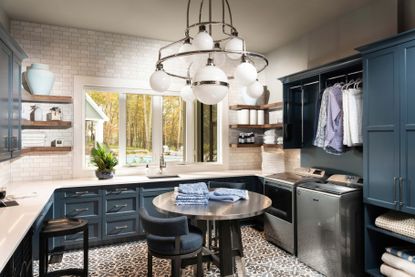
(146, 199)
(407, 128)
(5, 87)
(381, 128)
(293, 121)
(16, 111)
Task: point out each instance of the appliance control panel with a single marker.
(310, 172)
(349, 180)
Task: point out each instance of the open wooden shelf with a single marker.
(247, 145)
(46, 150)
(271, 106)
(52, 124)
(55, 99)
(265, 126)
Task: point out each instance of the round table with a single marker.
(227, 216)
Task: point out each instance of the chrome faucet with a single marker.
(162, 163)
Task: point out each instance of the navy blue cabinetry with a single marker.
(146, 199)
(5, 86)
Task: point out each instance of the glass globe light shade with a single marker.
(234, 44)
(186, 47)
(248, 100)
(255, 90)
(245, 73)
(219, 58)
(210, 94)
(187, 93)
(203, 41)
(160, 81)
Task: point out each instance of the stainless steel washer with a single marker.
(280, 218)
(330, 226)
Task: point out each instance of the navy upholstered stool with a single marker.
(62, 227)
(171, 238)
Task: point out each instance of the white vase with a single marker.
(39, 79)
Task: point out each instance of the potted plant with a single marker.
(104, 160)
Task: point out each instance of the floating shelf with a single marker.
(247, 145)
(265, 126)
(30, 98)
(46, 150)
(390, 233)
(52, 124)
(271, 106)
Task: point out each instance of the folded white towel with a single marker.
(392, 272)
(399, 263)
(271, 132)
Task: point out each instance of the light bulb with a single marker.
(160, 80)
(255, 90)
(246, 74)
(186, 47)
(203, 41)
(187, 93)
(248, 100)
(234, 44)
(210, 85)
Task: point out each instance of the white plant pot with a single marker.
(39, 79)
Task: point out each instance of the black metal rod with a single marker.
(304, 85)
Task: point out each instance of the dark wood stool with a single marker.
(62, 227)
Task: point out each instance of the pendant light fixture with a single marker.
(208, 66)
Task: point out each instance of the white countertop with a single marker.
(16, 221)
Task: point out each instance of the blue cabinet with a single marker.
(146, 199)
(5, 86)
(381, 128)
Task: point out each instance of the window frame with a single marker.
(123, 86)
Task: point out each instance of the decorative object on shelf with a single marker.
(243, 116)
(260, 117)
(246, 138)
(39, 79)
(57, 143)
(252, 117)
(36, 114)
(212, 52)
(104, 160)
(54, 114)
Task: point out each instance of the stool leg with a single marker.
(86, 247)
(149, 265)
(43, 256)
(199, 264)
(176, 267)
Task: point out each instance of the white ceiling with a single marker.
(266, 24)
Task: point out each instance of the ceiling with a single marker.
(266, 24)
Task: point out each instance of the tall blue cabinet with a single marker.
(389, 139)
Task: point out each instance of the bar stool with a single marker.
(62, 227)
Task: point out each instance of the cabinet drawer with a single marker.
(118, 227)
(93, 234)
(119, 191)
(121, 205)
(81, 209)
(81, 193)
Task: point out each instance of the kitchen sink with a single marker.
(162, 176)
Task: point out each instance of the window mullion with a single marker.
(122, 129)
(157, 130)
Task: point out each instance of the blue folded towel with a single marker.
(224, 198)
(195, 188)
(202, 201)
(184, 196)
(241, 193)
(406, 253)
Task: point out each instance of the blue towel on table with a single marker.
(196, 188)
(224, 198)
(241, 193)
(191, 199)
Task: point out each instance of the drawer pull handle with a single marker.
(121, 227)
(81, 192)
(81, 210)
(117, 191)
(120, 206)
(395, 185)
(400, 191)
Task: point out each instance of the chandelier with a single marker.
(208, 56)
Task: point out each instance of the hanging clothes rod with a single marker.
(307, 84)
(345, 75)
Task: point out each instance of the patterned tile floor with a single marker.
(262, 259)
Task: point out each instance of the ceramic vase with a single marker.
(103, 175)
(39, 79)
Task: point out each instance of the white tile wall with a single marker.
(5, 173)
(70, 52)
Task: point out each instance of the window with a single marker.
(207, 133)
(125, 122)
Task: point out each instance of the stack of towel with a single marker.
(280, 140)
(192, 194)
(228, 195)
(270, 136)
(397, 222)
(398, 262)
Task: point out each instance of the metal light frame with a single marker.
(226, 14)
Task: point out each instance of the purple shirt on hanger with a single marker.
(334, 128)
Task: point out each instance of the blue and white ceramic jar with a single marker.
(39, 79)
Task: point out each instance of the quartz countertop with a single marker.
(33, 196)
